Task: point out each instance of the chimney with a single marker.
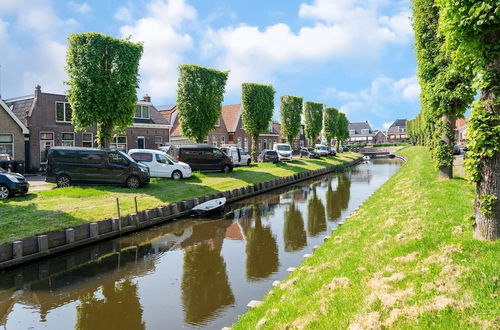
(147, 98)
(38, 91)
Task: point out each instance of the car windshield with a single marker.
(271, 153)
(127, 156)
(2, 170)
(310, 149)
(284, 148)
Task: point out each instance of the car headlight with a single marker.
(145, 170)
(186, 167)
(12, 178)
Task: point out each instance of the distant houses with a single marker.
(362, 133)
(397, 132)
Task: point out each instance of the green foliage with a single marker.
(330, 124)
(290, 111)
(343, 128)
(103, 78)
(443, 152)
(487, 204)
(257, 110)
(200, 92)
(313, 117)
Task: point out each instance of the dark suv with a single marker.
(67, 165)
(203, 157)
(12, 184)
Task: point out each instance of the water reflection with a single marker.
(261, 247)
(294, 235)
(337, 200)
(188, 273)
(316, 219)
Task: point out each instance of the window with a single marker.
(401, 129)
(68, 139)
(352, 132)
(222, 139)
(142, 157)
(239, 142)
(63, 112)
(162, 159)
(7, 144)
(245, 142)
(88, 140)
(119, 143)
(217, 153)
(46, 142)
(365, 131)
(214, 140)
(217, 124)
(142, 112)
(116, 158)
(158, 141)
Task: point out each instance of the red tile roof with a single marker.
(230, 116)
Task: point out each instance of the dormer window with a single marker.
(63, 112)
(401, 129)
(142, 112)
(217, 124)
(352, 132)
(365, 131)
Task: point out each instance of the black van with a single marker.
(202, 157)
(66, 165)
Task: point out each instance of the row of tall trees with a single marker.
(458, 53)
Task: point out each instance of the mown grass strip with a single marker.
(47, 210)
(406, 259)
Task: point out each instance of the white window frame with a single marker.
(223, 139)
(62, 140)
(161, 141)
(217, 123)
(40, 144)
(114, 144)
(6, 143)
(91, 139)
(352, 131)
(64, 110)
(365, 131)
(245, 142)
(142, 117)
(238, 142)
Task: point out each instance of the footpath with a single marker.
(405, 259)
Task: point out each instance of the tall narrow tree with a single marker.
(472, 34)
(103, 78)
(313, 117)
(257, 111)
(343, 129)
(200, 92)
(330, 124)
(291, 112)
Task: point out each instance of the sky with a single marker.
(355, 55)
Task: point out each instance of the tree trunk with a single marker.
(487, 225)
(447, 137)
(255, 148)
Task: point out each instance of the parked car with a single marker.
(160, 164)
(309, 153)
(456, 150)
(268, 156)
(284, 151)
(237, 155)
(345, 149)
(12, 184)
(5, 157)
(321, 149)
(203, 157)
(67, 165)
(331, 151)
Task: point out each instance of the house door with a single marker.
(140, 142)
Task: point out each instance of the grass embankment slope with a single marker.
(47, 210)
(405, 259)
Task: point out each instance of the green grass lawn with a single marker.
(47, 210)
(406, 259)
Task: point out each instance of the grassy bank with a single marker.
(406, 259)
(47, 210)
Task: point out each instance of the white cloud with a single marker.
(164, 44)
(123, 14)
(82, 8)
(385, 126)
(341, 29)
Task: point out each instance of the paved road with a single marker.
(458, 165)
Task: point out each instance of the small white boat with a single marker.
(366, 157)
(209, 207)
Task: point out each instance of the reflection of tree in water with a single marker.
(205, 285)
(316, 220)
(294, 234)
(120, 308)
(261, 249)
(338, 200)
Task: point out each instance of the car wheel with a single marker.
(226, 169)
(177, 175)
(248, 162)
(133, 182)
(4, 192)
(63, 181)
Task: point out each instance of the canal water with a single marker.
(191, 273)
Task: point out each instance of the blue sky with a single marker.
(356, 55)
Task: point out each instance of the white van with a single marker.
(321, 149)
(237, 155)
(284, 151)
(161, 165)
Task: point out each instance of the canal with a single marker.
(191, 273)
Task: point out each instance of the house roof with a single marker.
(9, 111)
(357, 127)
(398, 123)
(231, 116)
(460, 122)
(277, 128)
(21, 107)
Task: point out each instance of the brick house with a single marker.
(12, 134)
(379, 137)
(48, 117)
(397, 132)
(227, 130)
(299, 141)
(360, 133)
(461, 131)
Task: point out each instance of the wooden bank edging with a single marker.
(41, 246)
